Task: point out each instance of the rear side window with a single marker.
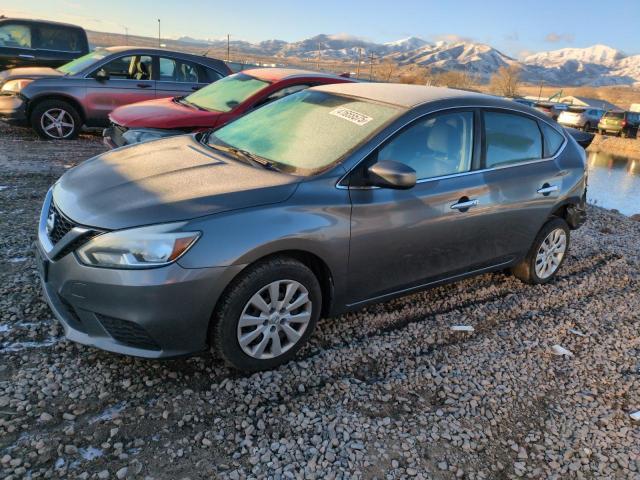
(510, 139)
(52, 37)
(211, 75)
(553, 140)
(441, 145)
(172, 70)
(15, 36)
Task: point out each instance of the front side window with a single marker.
(306, 132)
(15, 36)
(79, 64)
(226, 94)
(172, 70)
(511, 139)
(51, 37)
(130, 67)
(440, 145)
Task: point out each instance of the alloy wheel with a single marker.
(57, 123)
(274, 319)
(550, 254)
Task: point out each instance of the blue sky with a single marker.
(516, 27)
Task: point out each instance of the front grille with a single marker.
(128, 333)
(61, 226)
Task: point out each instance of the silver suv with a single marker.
(583, 118)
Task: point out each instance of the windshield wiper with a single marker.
(246, 156)
(186, 102)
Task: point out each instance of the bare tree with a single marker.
(506, 81)
(455, 79)
(385, 70)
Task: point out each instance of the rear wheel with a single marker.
(547, 254)
(56, 120)
(267, 314)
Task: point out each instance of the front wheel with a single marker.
(546, 255)
(267, 314)
(56, 120)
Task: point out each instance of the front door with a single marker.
(401, 239)
(130, 80)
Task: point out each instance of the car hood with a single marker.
(166, 180)
(163, 113)
(29, 72)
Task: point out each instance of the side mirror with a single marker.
(390, 174)
(102, 75)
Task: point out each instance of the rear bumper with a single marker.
(13, 109)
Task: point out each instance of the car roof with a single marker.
(40, 22)
(279, 74)
(401, 95)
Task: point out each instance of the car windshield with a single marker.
(306, 132)
(227, 93)
(79, 64)
(617, 115)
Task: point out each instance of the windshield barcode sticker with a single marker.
(351, 115)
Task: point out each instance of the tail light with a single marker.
(624, 123)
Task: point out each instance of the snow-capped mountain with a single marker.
(407, 44)
(475, 58)
(596, 55)
(595, 65)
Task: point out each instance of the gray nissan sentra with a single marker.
(313, 205)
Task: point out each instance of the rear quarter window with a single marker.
(553, 140)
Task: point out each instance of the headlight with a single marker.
(140, 135)
(14, 86)
(138, 247)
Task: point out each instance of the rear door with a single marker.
(56, 45)
(522, 177)
(16, 45)
(443, 226)
(130, 80)
(178, 77)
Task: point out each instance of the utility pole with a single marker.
(158, 33)
(228, 46)
(540, 91)
(318, 61)
(371, 67)
(359, 62)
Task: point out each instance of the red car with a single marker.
(211, 107)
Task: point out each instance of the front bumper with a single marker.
(152, 313)
(13, 109)
(112, 136)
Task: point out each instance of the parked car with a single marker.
(581, 137)
(316, 204)
(551, 109)
(620, 123)
(211, 107)
(58, 102)
(35, 43)
(584, 118)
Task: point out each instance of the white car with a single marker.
(584, 118)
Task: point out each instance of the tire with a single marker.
(623, 134)
(46, 115)
(586, 127)
(526, 270)
(266, 323)
(601, 132)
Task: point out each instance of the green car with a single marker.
(622, 124)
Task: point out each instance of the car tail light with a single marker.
(624, 123)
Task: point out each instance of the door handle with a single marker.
(464, 205)
(547, 189)
(143, 85)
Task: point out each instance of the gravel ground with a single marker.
(388, 392)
